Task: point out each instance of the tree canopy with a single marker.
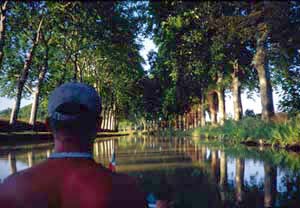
(205, 50)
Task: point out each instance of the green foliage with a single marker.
(290, 85)
(200, 41)
(5, 113)
(25, 111)
(125, 124)
(287, 133)
(253, 129)
(194, 48)
(92, 42)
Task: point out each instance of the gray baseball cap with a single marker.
(76, 94)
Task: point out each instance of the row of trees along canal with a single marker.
(204, 50)
(44, 44)
(208, 48)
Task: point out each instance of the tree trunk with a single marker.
(221, 106)
(30, 158)
(184, 121)
(221, 98)
(35, 103)
(115, 128)
(2, 29)
(196, 118)
(203, 154)
(188, 120)
(199, 115)
(102, 118)
(34, 106)
(116, 121)
(181, 123)
(239, 180)
(105, 118)
(144, 122)
(212, 108)
(202, 111)
(24, 76)
(108, 118)
(112, 119)
(261, 65)
(75, 73)
(116, 124)
(236, 93)
(269, 185)
(106, 115)
(81, 72)
(176, 127)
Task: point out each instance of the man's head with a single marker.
(74, 111)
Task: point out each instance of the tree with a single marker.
(204, 50)
(285, 58)
(208, 47)
(36, 94)
(91, 42)
(290, 86)
(27, 64)
(3, 10)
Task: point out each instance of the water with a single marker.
(191, 173)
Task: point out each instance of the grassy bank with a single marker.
(249, 130)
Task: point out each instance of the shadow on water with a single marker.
(190, 173)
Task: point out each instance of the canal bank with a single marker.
(249, 131)
(19, 138)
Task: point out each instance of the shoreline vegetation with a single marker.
(249, 131)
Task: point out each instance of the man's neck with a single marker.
(68, 146)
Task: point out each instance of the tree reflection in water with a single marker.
(192, 174)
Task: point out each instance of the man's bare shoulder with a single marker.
(24, 176)
(10, 184)
(22, 183)
(9, 189)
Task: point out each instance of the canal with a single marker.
(191, 173)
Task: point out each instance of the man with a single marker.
(70, 177)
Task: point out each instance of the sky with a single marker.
(251, 104)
